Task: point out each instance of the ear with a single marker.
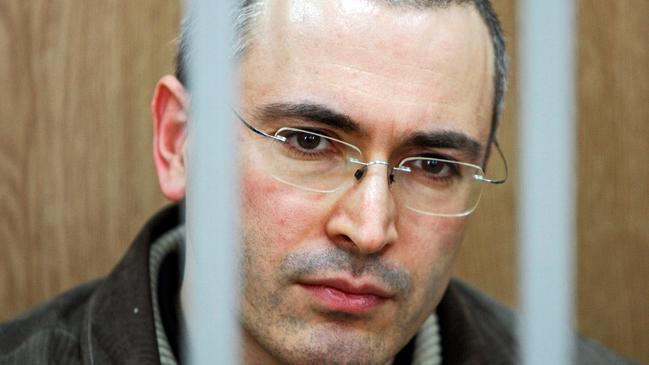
(169, 109)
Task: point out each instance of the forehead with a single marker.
(391, 69)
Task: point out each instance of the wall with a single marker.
(76, 178)
(612, 267)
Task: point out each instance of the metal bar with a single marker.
(210, 293)
(547, 192)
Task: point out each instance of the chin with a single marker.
(292, 340)
(333, 344)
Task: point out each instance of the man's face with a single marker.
(349, 277)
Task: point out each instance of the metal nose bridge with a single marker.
(377, 162)
(360, 173)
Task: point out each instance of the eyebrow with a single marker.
(309, 112)
(447, 139)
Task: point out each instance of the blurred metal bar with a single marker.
(547, 190)
(210, 293)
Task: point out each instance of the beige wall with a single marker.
(76, 178)
(612, 296)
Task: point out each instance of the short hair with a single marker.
(246, 11)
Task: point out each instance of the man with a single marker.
(365, 126)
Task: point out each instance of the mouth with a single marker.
(340, 295)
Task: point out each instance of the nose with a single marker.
(364, 218)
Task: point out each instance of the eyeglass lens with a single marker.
(316, 162)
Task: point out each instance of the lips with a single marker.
(342, 295)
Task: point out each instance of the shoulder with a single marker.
(484, 308)
(475, 328)
(591, 352)
(50, 331)
(496, 324)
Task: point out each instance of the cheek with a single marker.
(431, 245)
(273, 224)
(276, 215)
(431, 237)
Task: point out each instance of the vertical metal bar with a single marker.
(210, 293)
(547, 199)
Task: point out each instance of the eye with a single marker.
(308, 141)
(435, 167)
(317, 145)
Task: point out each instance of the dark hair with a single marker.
(246, 11)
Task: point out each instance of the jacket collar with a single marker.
(462, 342)
(475, 329)
(119, 323)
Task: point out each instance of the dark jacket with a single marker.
(110, 321)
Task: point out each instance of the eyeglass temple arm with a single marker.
(261, 133)
(502, 156)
